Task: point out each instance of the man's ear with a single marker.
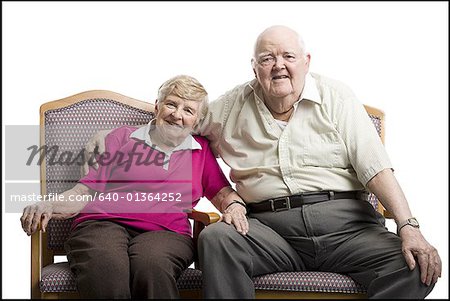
(254, 67)
(307, 59)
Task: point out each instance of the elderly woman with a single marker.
(133, 239)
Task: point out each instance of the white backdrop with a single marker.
(393, 55)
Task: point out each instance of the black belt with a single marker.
(288, 202)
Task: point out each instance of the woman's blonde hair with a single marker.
(185, 87)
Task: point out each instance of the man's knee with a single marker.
(215, 234)
(399, 284)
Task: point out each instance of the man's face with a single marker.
(280, 65)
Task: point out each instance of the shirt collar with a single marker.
(143, 133)
(310, 91)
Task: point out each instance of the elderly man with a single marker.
(290, 132)
(302, 149)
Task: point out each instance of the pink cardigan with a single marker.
(142, 193)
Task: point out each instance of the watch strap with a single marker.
(412, 221)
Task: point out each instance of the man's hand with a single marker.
(95, 146)
(414, 246)
(236, 214)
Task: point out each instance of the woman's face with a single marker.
(176, 117)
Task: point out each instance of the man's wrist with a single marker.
(412, 221)
(236, 202)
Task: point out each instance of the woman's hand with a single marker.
(40, 213)
(36, 214)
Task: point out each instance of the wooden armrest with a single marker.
(388, 214)
(201, 220)
(205, 218)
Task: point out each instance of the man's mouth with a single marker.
(279, 77)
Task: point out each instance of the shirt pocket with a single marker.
(324, 150)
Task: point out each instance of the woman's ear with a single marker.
(156, 107)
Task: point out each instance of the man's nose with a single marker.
(279, 62)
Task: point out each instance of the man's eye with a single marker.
(290, 57)
(267, 59)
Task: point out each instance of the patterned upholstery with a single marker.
(308, 282)
(373, 200)
(70, 128)
(190, 279)
(376, 122)
(58, 278)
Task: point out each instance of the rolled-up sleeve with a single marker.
(365, 149)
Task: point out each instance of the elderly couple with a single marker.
(285, 133)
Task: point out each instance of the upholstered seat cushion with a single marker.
(308, 282)
(57, 277)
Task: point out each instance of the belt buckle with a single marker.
(287, 204)
(363, 195)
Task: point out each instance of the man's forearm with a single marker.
(385, 186)
(225, 197)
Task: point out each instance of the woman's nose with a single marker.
(176, 114)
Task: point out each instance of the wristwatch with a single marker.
(412, 221)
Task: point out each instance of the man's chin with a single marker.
(281, 91)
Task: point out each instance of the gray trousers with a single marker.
(111, 261)
(343, 236)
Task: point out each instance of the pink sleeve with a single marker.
(213, 178)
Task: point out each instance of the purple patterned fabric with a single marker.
(190, 279)
(373, 200)
(308, 282)
(70, 128)
(58, 278)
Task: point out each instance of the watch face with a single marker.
(413, 222)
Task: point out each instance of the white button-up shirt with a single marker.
(329, 143)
